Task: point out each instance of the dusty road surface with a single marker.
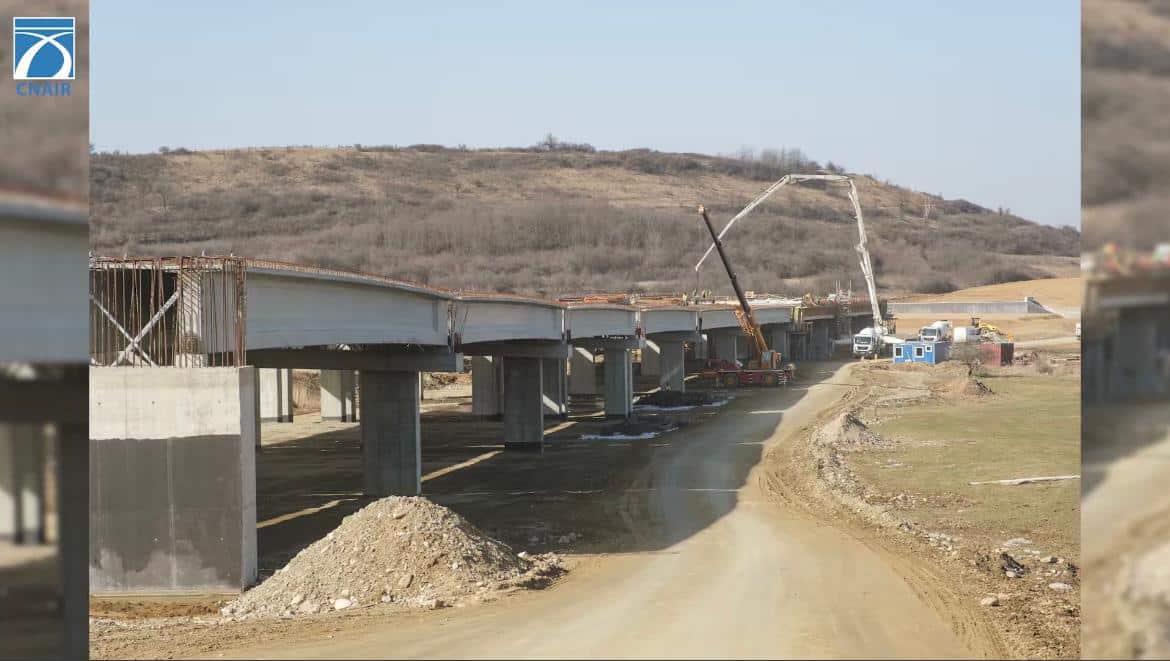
(1126, 514)
(724, 571)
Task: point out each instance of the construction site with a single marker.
(286, 458)
(1125, 442)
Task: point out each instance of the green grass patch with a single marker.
(1031, 427)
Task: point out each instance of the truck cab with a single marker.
(864, 344)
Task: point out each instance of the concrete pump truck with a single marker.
(867, 343)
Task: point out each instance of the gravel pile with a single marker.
(409, 552)
(847, 433)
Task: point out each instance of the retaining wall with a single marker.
(929, 309)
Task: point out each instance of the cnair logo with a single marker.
(42, 48)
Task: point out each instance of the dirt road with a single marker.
(1126, 510)
(728, 573)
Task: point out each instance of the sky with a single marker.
(962, 99)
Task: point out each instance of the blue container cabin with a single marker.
(915, 351)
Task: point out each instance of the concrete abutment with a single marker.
(172, 478)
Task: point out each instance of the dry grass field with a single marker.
(44, 140)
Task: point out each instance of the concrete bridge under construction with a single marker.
(189, 354)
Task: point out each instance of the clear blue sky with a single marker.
(979, 100)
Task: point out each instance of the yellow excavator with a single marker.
(990, 332)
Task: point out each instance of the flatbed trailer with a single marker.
(743, 378)
(729, 375)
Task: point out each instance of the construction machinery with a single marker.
(990, 332)
(871, 340)
(764, 367)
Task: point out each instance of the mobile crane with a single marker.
(764, 367)
(869, 341)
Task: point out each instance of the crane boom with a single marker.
(879, 324)
(748, 318)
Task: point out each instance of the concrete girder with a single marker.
(47, 244)
(518, 349)
(600, 321)
(384, 359)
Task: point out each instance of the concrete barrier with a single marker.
(172, 478)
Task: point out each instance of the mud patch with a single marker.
(634, 429)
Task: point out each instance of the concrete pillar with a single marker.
(22, 484)
(727, 345)
(391, 445)
(486, 386)
(555, 387)
(582, 372)
(172, 479)
(702, 350)
(651, 358)
(523, 407)
(9, 485)
(30, 455)
(73, 531)
(338, 395)
(673, 367)
(824, 340)
(779, 341)
(276, 395)
(619, 383)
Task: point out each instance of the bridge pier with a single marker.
(391, 444)
(338, 388)
(554, 395)
(487, 386)
(523, 404)
(22, 486)
(619, 383)
(778, 340)
(276, 396)
(702, 349)
(821, 339)
(723, 345)
(651, 358)
(172, 481)
(582, 372)
(673, 366)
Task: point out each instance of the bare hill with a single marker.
(553, 220)
(43, 140)
(1125, 129)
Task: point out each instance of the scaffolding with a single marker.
(174, 311)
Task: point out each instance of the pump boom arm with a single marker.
(879, 324)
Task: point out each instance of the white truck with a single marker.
(939, 331)
(863, 343)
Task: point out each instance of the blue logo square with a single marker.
(42, 48)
